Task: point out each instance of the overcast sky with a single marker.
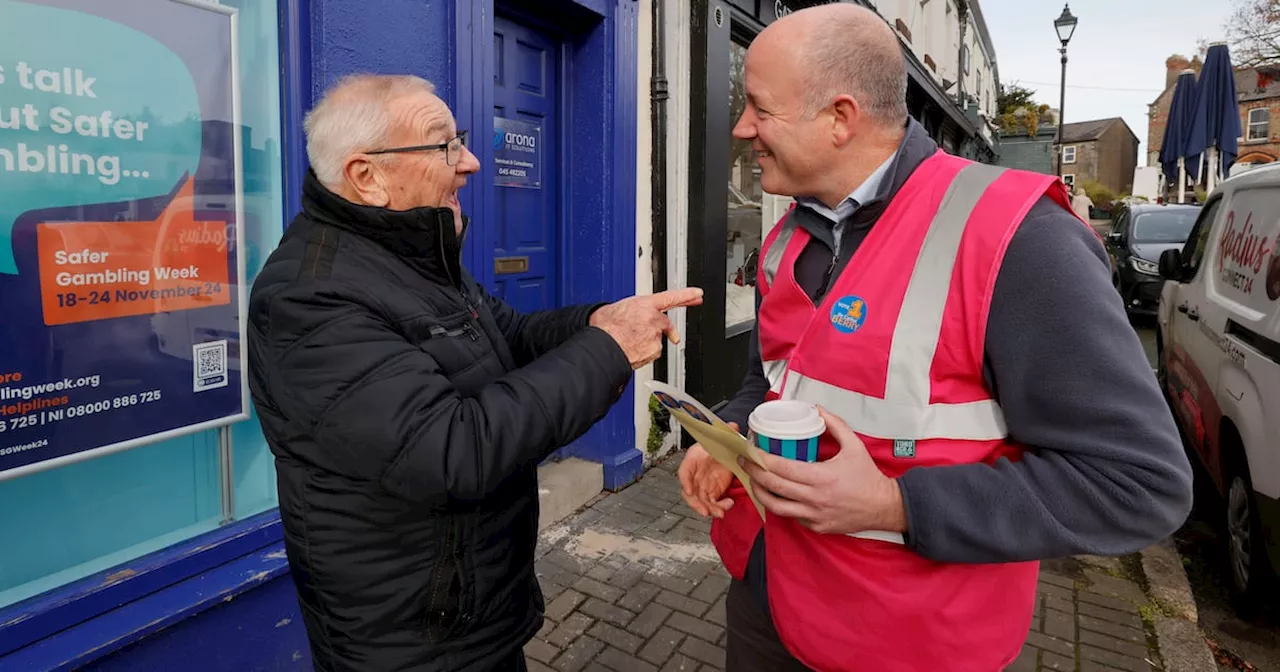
(1116, 57)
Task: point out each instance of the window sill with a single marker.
(105, 612)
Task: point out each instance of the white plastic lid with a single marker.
(787, 420)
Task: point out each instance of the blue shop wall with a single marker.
(225, 600)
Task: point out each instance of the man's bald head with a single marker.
(843, 48)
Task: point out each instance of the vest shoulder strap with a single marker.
(775, 245)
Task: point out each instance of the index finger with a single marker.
(677, 298)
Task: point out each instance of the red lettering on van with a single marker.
(1243, 247)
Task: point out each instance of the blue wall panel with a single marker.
(386, 37)
(260, 630)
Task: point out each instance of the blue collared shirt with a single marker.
(866, 191)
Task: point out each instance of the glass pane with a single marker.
(252, 462)
(82, 518)
(744, 211)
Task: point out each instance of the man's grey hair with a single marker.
(352, 117)
(857, 53)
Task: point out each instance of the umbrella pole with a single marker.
(1182, 180)
(1214, 163)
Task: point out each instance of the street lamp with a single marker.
(1066, 26)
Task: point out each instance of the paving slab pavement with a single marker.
(632, 582)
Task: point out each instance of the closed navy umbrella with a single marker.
(1174, 152)
(1215, 125)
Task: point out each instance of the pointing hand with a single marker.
(639, 322)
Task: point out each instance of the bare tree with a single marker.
(1254, 32)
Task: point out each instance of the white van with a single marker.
(1218, 348)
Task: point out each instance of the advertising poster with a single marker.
(517, 153)
(121, 280)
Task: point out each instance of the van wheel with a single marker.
(1251, 572)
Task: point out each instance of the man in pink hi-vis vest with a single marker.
(988, 404)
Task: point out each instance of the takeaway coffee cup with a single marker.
(787, 428)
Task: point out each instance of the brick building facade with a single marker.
(1103, 151)
(1259, 100)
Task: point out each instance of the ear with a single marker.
(367, 181)
(846, 115)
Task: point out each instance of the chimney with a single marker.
(1176, 64)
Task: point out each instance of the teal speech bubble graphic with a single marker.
(90, 112)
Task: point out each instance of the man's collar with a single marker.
(869, 191)
(424, 238)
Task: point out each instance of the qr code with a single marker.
(209, 365)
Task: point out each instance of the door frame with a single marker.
(597, 241)
(715, 362)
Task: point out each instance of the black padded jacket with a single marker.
(407, 410)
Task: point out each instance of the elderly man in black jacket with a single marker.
(407, 408)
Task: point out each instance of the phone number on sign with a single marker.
(80, 410)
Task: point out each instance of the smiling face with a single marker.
(427, 178)
(790, 148)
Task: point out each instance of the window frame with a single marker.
(1070, 180)
(1122, 219)
(1074, 154)
(1250, 123)
(1193, 251)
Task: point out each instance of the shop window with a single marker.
(1259, 126)
(745, 213)
(74, 519)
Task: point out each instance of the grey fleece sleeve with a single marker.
(1104, 470)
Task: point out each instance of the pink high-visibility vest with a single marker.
(896, 349)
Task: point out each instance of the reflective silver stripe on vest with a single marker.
(773, 371)
(905, 411)
(773, 256)
(889, 420)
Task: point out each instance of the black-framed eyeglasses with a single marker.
(452, 149)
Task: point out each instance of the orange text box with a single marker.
(100, 270)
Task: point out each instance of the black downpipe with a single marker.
(658, 179)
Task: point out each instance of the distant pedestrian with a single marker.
(988, 404)
(1081, 204)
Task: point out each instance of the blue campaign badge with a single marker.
(848, 314)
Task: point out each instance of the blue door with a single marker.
(525, 137)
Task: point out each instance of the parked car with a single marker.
(1140, 232)
(1218, 345)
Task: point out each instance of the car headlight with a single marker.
(1144, 266)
